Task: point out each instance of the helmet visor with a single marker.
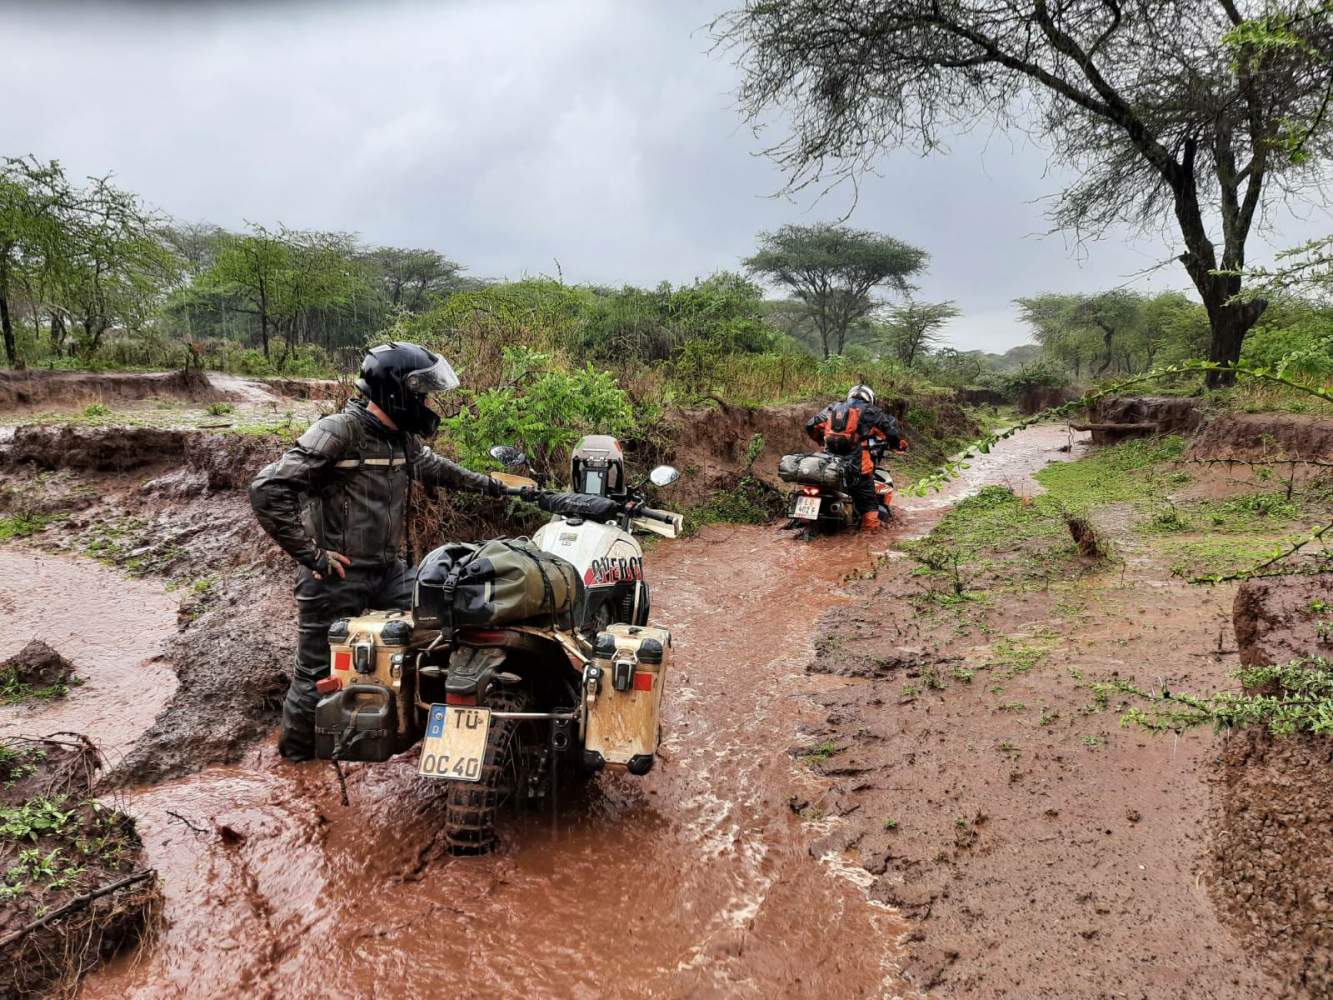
(439, 377)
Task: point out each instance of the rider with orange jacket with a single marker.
(852, 426)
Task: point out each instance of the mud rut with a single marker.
(696, 881)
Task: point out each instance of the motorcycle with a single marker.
(820, 501)
(518, 660)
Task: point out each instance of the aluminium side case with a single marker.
(624, 706)
(373, 715)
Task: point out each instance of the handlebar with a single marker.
(655, 515)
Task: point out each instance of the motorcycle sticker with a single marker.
(608, 570)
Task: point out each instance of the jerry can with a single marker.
(624, 701)
(370, 688)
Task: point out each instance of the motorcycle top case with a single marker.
(500, 581)
(370, 717)
(624, 710)
(819, 469)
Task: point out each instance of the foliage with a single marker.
(912, 329)
(285, 277)
(1163, 111)
(832, 271)
(1115, 332)
(1301, 701)
(33, 818)
(541, 408)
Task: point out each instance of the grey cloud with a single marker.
(508, 135)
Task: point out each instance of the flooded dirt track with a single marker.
(696, 881)
(111, 629)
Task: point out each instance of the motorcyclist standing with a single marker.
(337, 501)
(851, 427)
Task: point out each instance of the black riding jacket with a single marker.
(343, 487)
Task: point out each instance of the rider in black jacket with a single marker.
(336, 502)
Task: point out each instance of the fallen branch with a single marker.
(77, 903)
(176, 815)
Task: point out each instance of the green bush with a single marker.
(541, 408)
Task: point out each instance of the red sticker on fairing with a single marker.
(342, 660)
(643, 680)
(607, 570)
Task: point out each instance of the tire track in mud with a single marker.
(695, 881)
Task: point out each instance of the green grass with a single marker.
(17, 761)
(25, 525)
(818, 754)
(14, 691)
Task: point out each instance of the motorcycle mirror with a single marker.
(664, 475)
(507, 454)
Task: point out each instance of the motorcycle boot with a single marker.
(870, 521)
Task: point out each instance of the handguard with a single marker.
(658, 522)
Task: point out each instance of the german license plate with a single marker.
(807, 507)
(455, 743)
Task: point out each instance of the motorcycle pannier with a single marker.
(818, 469)
(503, 580)
(624, 708)
(370, 716)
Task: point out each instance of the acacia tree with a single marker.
(409, 276)
(118, 266)
(832, 271)
(912, 329)
(285, 278)
(35, 200)
(1180, 106)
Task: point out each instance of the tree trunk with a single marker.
(6, 322)
(58, 334)
(1228, 321)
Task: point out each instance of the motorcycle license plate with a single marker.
(455, 743)
(807, 507)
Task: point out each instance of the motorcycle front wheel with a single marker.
(471, 806)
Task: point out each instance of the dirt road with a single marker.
(696, 881)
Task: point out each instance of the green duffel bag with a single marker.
(503, 580)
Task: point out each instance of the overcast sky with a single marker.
(511, 135)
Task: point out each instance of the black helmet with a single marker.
(397, 378)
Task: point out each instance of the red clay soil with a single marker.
(1172, 414)
(91, 849)
(32, 387)
(1040, 848)
(1271, 867)
(37, 665)
(1264, 436)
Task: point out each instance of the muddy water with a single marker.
(109, 627)
(695, 881)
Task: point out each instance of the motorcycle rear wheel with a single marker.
(471, 806)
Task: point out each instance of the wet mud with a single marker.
(695, 881)
(87, 868)
(1040, 848)
(111, 629)
(31, 388)
(1270, 869)
(743, 865)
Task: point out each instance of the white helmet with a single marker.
(861, 392)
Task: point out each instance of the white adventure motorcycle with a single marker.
(517, 657)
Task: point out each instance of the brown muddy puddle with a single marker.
(696, 881)
(111, 628)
